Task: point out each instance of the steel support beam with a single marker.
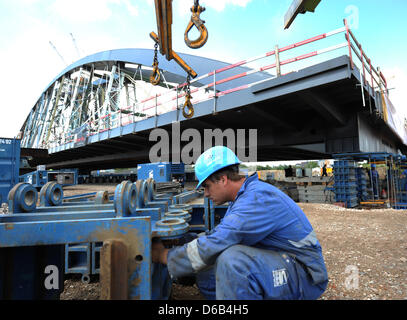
(324, 107)
(265, 115)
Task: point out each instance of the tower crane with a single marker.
(74, 43)
(62, 58)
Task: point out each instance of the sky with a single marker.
(238, 30)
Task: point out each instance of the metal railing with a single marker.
(172, 99)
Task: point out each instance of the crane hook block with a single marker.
(188, 105)
(199, 24)
(155, 76)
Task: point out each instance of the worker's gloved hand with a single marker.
(188, 237)
(158, 252)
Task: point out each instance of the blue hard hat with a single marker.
(373, 165)
(212, 160)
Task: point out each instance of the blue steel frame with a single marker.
(135, 231)
(88, 225)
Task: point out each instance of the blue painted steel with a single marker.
(361, 178)
(183, 207)
(17, 234)
(361, 184)
(36, 178)
(22, 198)
(80, 197)
(51, 194)
(125, 199)
(57, 216)
(181, 214)
(187, 196)
(345, 182)
(137, 231)
(81, 229)
(198, 222)
(95, 253)
(204, 217)
(160, 172)
(78, 258)
(170, 228)
(9, 166)
(102, 197)
(145, 197)
(39, 178)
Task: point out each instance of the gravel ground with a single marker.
(365, 252)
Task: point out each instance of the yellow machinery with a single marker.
(163, 10)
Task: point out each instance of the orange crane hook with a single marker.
(199, 24)
(155, 76)
(188, 109)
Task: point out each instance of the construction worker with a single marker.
(324, 173)
(263, 248)
(404, 180)
(289, 171)
(375, 181)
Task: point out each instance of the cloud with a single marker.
(397, 83)
(220, 5)
(32, 69)
(183, 7)
(36, 64)
(132, 9)
(82, 11)
(90, 10)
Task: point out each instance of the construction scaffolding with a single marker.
(371, 180)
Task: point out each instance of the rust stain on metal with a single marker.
(113, 270)
(9, 226)
(136, 282)
(134, 241)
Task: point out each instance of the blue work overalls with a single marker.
(264, 248)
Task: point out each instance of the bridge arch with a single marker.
(95, 92)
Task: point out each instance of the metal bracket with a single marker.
(175, 56)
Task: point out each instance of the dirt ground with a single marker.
(365, 253)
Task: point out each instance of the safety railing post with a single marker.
(348, 39)
(215, 98)
(156, 110)
(134, 112)
(278, 66)
(176, 91)
(363, 94)
(363, 64)
(120, 121)
(371, 75)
